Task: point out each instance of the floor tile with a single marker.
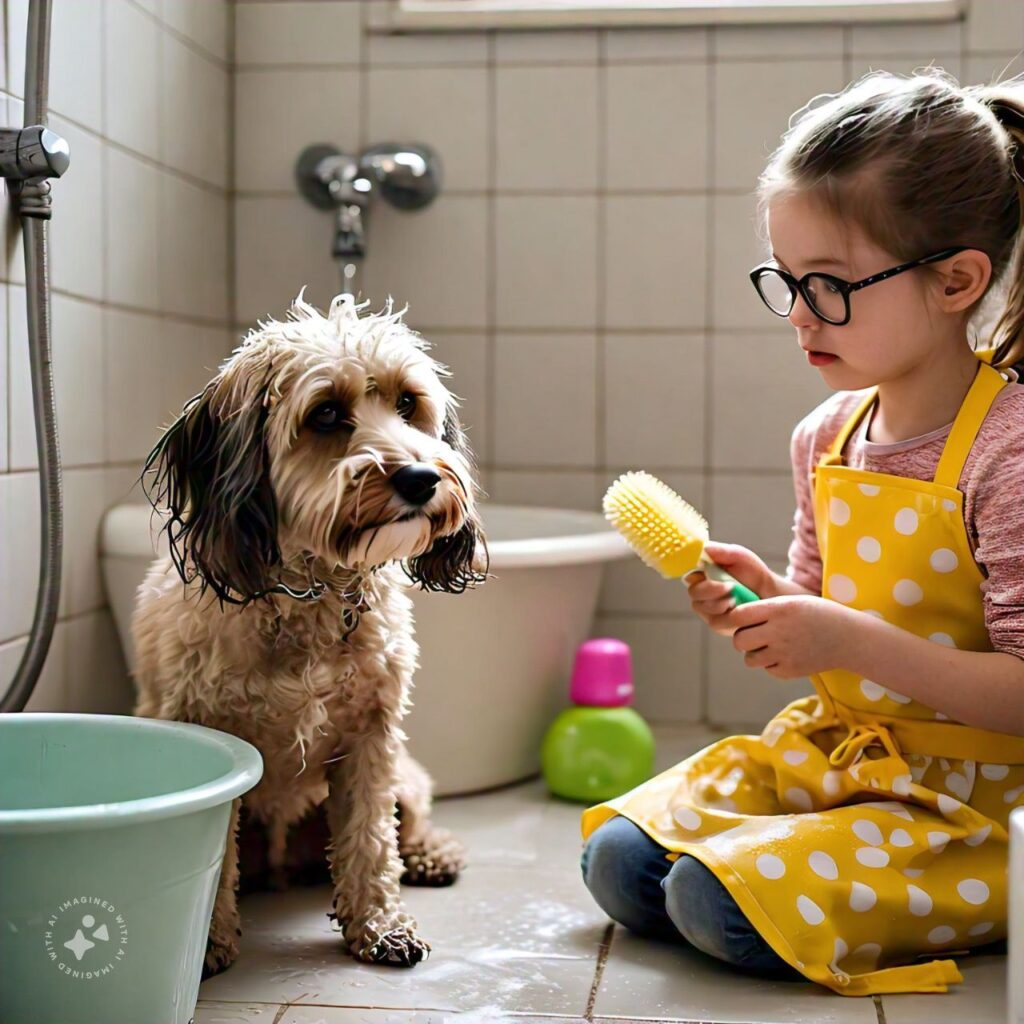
(673, 744)
(504, 939)
(650, 980)
(213, 1012)
(516, 940)
(502, 827)
(354, 1015)
(981, 999)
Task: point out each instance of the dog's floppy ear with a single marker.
(211, 472)
(459, 560)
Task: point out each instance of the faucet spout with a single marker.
(350, 232)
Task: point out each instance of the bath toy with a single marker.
(599, 747)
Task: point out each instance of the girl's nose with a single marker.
(801, 315)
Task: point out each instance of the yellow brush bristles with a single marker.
(664, 530)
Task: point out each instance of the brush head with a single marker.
(666, 532)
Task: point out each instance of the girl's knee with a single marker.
(705, 913)
(623, 868)
(610, 848)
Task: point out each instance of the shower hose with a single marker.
(28, 156)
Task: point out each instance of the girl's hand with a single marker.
(794, 636)
(711, 599)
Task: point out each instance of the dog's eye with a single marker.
(406, 404)
(327, 417)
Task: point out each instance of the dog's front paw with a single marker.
(219, 957)
(435, 861)
(398, 946)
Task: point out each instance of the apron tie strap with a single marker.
(861, 736)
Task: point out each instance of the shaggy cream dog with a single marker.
(323, 462)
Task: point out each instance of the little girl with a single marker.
(861, 839)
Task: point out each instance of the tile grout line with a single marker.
(710, 164)
(602, 959)
(491, 280)
(879, 1009)
(601, 393)
(231, 183)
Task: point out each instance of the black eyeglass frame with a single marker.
(844, 287)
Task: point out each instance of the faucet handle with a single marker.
(408, 173)
(32, 152)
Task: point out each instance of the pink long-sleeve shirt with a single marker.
(992, 482)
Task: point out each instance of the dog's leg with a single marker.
(225, 930)
(365, 866)
(432, 856)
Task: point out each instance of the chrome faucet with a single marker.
(407, 175)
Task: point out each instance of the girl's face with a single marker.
(890, 329)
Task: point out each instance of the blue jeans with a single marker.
(632, 882)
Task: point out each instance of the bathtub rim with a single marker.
(593, 540)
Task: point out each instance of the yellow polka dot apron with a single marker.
(863, 833)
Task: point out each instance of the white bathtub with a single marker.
(494, 662)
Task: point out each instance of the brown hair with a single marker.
(920, 164)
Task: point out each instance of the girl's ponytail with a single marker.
(1008, 107)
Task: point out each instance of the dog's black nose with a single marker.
(416, 482)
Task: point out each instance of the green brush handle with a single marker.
(740, 593)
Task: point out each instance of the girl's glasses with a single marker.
(827, 296)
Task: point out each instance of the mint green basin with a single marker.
(112, 832)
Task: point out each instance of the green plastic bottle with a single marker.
(600, 747)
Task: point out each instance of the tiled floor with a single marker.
(518, 938)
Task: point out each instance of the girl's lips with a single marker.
(820, 358)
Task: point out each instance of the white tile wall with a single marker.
(759, 381)
(442, 293)
(132, 199)
(77, 353)
(655, 389)
(655, 44)
(466, 355)
(588, 261)
(192, 277)
(667, 148)
(206, 24)
(76, 63)
(546, 261)
(546, 400)
(444, 107)
(744, 139)
(15, 25)
(141, 274)
(546, 127)
(302, 33)
(132, 77)
(281, 243)
(280, 111)
(135, 345)
(655, 262)
(198, 101)
(78, 230)
(584, 273)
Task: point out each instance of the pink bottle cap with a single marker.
(602, 675)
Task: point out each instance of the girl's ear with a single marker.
(211, 472)
(964, 279)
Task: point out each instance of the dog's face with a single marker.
(322, 438)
